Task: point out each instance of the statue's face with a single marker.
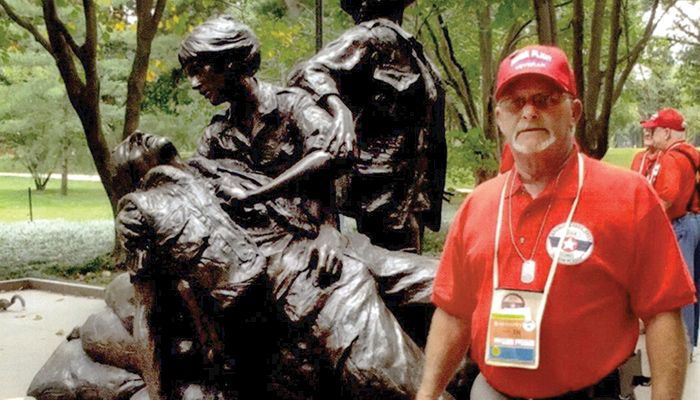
(143, 151)
(209, 81)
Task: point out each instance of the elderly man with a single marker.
(547, 268)
(378, 75)
(644, 160)
(673, 178)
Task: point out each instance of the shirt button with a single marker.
(522, 239)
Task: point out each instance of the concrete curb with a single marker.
(73, 289)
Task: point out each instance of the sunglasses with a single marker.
(541, 101)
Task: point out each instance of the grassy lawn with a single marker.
(621, 157)
(85, 201)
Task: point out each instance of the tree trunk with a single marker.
(546, 21)
(601, 86)
(146, 29)
(488, 124)
(64, 169)
(577, 23)
(319, 25)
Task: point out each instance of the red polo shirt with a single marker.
(623, 264)
(675, 181)
(643, 161)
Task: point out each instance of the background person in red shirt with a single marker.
(557, 230)
(674, 179)
(645, 159)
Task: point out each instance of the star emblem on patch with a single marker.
(577, 243)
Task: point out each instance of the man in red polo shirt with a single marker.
(673, 178)
(644, 160)
(547, 268)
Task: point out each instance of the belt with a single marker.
(606, 389)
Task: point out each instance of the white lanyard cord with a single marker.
(557, 252)
(644, 161)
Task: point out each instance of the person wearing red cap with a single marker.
(548, 268)
(644, 160)
(673, 176)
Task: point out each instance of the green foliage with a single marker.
(272, 8)
(38, 122)
(166, 93)
(433, 242)
(467, 153)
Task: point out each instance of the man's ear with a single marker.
(497, 115)
(576, 111)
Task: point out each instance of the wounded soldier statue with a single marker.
(238, 305)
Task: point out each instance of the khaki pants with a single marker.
(481, 390)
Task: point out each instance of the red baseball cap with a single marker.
(548, 61)
(666, 118)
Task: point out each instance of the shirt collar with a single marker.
(565, 187)
(268, 98)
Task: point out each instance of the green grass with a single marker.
(85, 201)
(622, 157)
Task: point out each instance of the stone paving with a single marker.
(30, 335)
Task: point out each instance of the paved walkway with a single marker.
(72, 177)
(30, 335)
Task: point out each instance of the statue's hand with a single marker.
(325, 265)
(343, 141)
(324, 257)
(232, 195)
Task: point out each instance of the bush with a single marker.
(76, 250)
(467, 153)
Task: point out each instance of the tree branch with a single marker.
(639, 47)
(62, 54)
(450, 78)
(469, 100)
(89, 58)
(158, 14)
(27, 25)
(77, 50)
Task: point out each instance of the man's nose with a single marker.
(529, 110)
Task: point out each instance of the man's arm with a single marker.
(666, 344)
(448, 342)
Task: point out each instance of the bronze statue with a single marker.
(279, 132)
(378, 74)
(326, 326)
(242, 285)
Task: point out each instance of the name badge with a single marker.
(513, 337)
